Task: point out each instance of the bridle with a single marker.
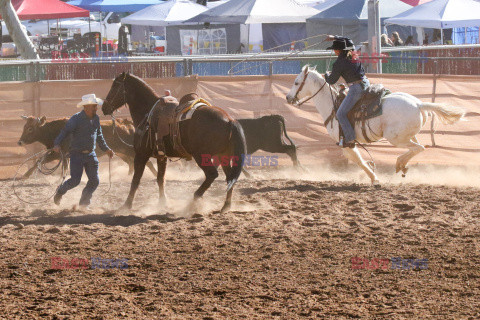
(115, 132)
(297, 102)
(144, 123)
(118, 91)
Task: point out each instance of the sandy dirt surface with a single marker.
(284, 251)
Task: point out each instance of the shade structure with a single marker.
(414, 3)
(256, 11)
(441, 14)
(349, 12)
(170, 12)
(84, 4)
(213, 4)
(350, 18)
(46, 9)
(115, 5)
(326, 4)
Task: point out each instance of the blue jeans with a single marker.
(78, 161)
(355, 92)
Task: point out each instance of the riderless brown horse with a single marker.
(209, 131)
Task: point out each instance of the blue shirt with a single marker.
(85, 133)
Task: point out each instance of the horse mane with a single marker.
(333, 87)
(141, 84)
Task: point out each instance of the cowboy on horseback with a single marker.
(352, 71)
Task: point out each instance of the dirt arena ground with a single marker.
(284, 251)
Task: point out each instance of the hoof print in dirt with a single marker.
(404, 206)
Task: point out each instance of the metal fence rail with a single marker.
(463, 59)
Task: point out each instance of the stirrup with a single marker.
(342, 144)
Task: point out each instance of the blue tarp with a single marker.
(114, 5)
(471, 36)
(350, 18)
(349, 12)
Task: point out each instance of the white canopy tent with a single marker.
(254, 15)
(311, 3)
(326, 4)
(441, 14)
(213, 4)
(156, 26)
(171, 12)
(257, 11)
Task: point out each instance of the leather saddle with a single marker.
(369, 106)
(171, 113)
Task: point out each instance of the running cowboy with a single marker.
(352, 71)
(85, 130)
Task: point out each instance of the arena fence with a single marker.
(461, 60)
(247, 86)
(254, 96)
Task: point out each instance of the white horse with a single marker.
(402, 118)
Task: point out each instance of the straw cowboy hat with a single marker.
(89, 99)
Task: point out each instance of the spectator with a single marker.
(386, 42)
(397, 41)
(436, 37)
(425, 41)
(409, 41)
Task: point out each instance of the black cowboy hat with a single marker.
(346, 44)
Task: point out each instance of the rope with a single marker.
(371, 163)
(115, 132)
(42, 168)
(296, 52)
(109, 176)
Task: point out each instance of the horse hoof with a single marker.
(126, 206)
(376, 183)
(247, 174)
(162, 202)
(226, 207)
(404, 170)
(302, 169)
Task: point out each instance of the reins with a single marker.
(145, 122)
(299, 103)
(115, 133)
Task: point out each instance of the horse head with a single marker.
(117, 96)
(302, 87)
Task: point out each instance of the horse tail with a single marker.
(446, 114)
(239, 150)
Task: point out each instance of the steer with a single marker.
(45, 132)
(266, 133)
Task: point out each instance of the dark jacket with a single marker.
(350, 70)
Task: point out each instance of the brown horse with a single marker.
(210, 131)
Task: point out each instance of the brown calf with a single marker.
(45, 132)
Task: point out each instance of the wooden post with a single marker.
(434, 93)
